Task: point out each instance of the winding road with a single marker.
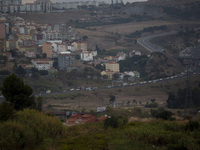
(145, 42)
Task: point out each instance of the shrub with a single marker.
(162, 114)
(115, 122)
(151, 105)
(7, 111)
(176, 147)
(192, 125)
(111, 122)
(29, 129)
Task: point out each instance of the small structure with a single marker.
(76, 119)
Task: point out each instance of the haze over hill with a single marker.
(109, 1)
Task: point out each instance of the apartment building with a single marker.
(112, 66)
(47, 49)
(66, 60)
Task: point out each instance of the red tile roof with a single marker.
(81, 119)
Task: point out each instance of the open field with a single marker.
(90, 100)
(136, 96)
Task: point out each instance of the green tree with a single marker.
(161, 113)
(17, 93)
(85, 37)
(111, 122)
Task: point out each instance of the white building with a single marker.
(88, 55)
(55, 44)
(42, 64)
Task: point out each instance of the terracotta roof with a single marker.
(102, 118)
(80, 119)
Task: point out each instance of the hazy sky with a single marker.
(31, 1)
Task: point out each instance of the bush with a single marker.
(151, 105)
(111, 122)
(192, 125)
(29, 129)
(7, 111)
(161, 114)
(115, 122)
(176, 147)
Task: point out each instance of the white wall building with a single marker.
(88, 55)
(42, 64)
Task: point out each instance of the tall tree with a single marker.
(112, 99)
(17, 93)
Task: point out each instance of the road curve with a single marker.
(145, 42)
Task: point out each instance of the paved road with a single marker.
(145, 42)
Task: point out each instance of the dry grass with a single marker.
(106, 37)
(92, 99)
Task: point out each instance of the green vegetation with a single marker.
(149, 29)
(17, 93)
(189, 11)
(164, 135)
(138, 64)
(177, 100)
(30, 129)
(161, 113)
(115, 51)
(35, 130)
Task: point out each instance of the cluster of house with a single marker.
(44, 42)
(31, 39)
(76, 119)
(112, 66)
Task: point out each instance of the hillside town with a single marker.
(46, 6)
(52, 48)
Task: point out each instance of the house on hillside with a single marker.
(42, 64)
(88, 55)
(76, 119)
(134, 52)
(108, 73)
(112, 66)
(79, 45)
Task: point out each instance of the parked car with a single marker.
(71, 89)
(48, 91)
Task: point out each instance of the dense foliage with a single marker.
(29, 129)
(189, 11)
(134, 135)
(17, 92)
(178, 99)
(135, 63)
(149, 29)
